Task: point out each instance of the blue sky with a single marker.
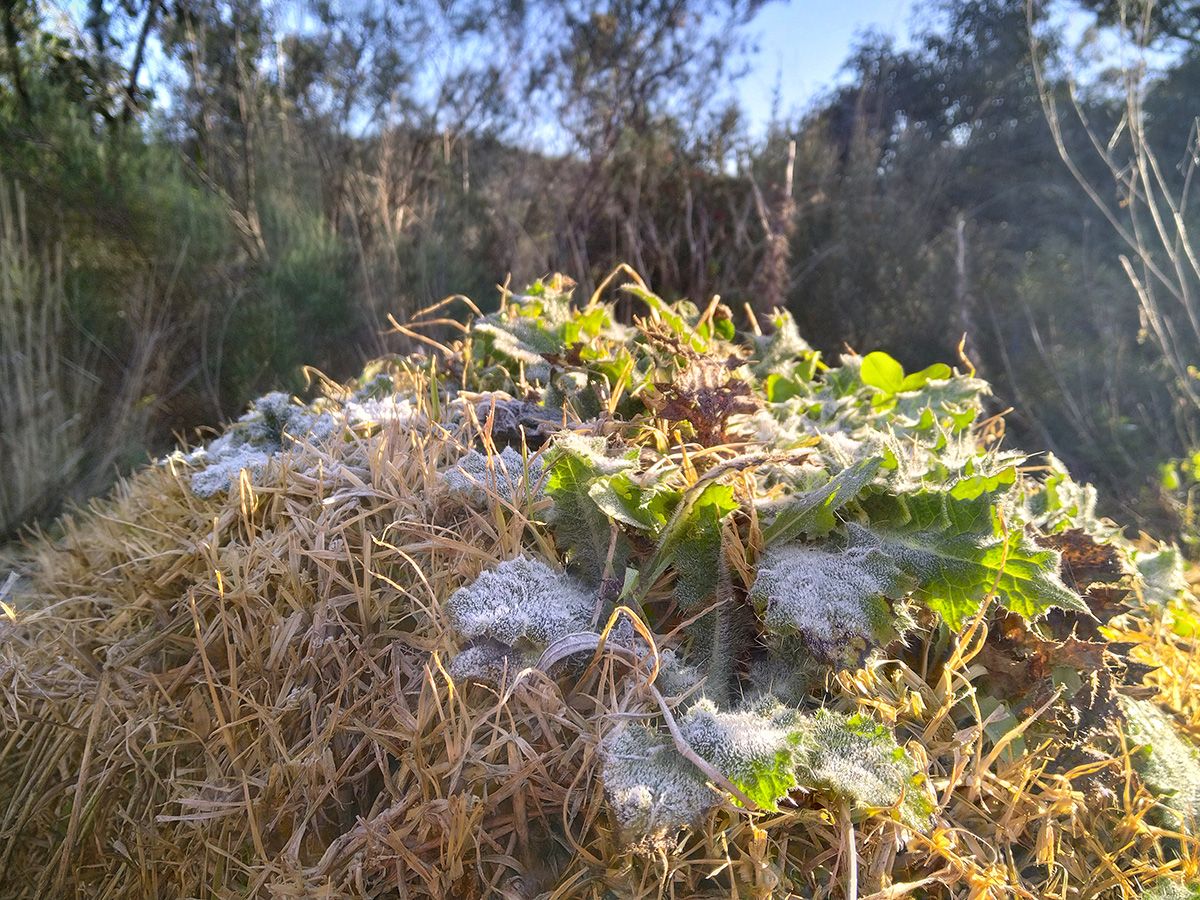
(803, 44)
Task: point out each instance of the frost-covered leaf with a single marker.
(1164, 889)
(225, 465)
(528, 328)
(383, 410)
(952, 547)
(1160, 575)
(505, 473)
(767, 751)
(952, 406)
(514, 423)
(274, 423)
(521, 602)
(778, 352)
(858, 759)
(812, 512)
(1169, 763)
(833, 599)
(581, 527)
(754, 748)
(652, 790)
(1061, 503)
(489, 661)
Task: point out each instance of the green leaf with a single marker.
(918, 380)
(974, 486)
(879, 370)
(645, 507)
(951, 547)
(855, 758)
(697, 556)
(581, 527)
(766, 781)
(691, 542)
(585, 325)
(779, 388)
(812, 513)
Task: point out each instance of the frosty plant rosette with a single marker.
(603, 598)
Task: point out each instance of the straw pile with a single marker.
(249, 694)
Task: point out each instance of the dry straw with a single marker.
(248, 696)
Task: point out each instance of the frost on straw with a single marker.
(273, 424)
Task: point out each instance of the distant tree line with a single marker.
(239, 188)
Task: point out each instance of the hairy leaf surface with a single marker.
(834, 599)
(812, 513)
(958, 554)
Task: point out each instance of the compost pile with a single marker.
(605, 597)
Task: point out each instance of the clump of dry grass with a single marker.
(248, 696)
(41, 423)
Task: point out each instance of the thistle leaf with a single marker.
(521, 601)
(952, 547)
(640, 506)
(812, 513)
(833, 599)
(856, 758)
(691, 542)
(1168, 762)
(652, 790)
(767, 751)
(581, 527)
(755, 749)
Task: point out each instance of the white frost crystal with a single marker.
(504, 473)
(833, 599)
(521, 600)
(652, 790)
(273, 423)
(767, 750)
(392, 409)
